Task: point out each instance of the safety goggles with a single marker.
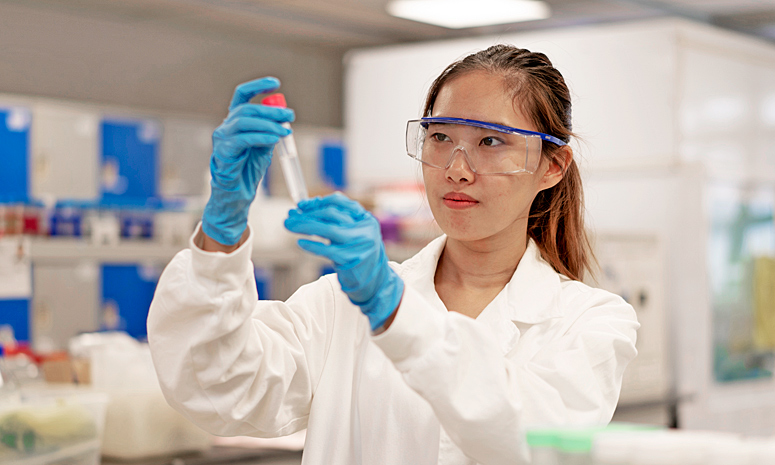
(487, 147)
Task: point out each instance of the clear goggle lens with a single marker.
(488, 148)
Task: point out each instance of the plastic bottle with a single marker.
(288, 155)
(731, 450)
(14, 217)
(543, 445)
(66, 219)
(761, 451)
(33, 219)
(664, 448)
(614, 448)
(575, 445)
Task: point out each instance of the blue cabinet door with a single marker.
(333, 165)
(16, 313)
(130, 160)
(14, 153)
(127, 292)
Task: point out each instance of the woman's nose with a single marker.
(459, 167)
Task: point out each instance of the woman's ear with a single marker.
(556, 167)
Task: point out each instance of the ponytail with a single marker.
(556, 224)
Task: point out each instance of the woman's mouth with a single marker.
(458, 200)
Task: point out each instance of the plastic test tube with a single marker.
(288, 155)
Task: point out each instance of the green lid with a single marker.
(578, 441)
(548, 437)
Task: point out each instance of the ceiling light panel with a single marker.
(458, 14)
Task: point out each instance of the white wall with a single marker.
(151, 65)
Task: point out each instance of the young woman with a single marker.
(446, 358)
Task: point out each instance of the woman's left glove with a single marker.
(356, 250)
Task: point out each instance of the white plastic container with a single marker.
(762, 451)
(140, 424)
(658, 449)
(543, 445)
(52, 427)
(618, 447)
(731, 450)
(138, 421)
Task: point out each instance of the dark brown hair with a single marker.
(556, 221)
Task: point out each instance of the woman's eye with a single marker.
(490, 141)
(439, 137)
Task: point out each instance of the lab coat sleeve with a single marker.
(228, 362)
(484, 400)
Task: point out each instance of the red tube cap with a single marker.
(276, 100)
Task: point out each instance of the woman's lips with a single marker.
(458, 200)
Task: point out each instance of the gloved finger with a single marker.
(277, 114)
(315, 247)
(330, 215)
(316, 227)
(237, 143)
(247, 90)
(336, 253)
(336, 200)
(251, 124)
(347, 229)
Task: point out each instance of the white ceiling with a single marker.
(345, 24)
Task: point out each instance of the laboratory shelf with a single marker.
(58, 250)
(290, 266)
(52, 250)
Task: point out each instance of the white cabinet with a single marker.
(65, 303)
(64, 151)
(185, 156)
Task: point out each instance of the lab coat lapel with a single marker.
(533, 292)
(529, 298)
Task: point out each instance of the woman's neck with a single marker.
(480, 264)
(470, 275)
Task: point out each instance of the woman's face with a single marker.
(470, 207)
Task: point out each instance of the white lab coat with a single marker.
(436, 387)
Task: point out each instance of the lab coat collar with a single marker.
(530, 297)
(533, 292)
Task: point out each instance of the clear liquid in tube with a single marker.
(289, 162)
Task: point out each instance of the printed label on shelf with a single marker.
(15, 268)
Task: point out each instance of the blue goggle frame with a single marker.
(493, 126)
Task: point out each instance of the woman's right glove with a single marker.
(242, 151)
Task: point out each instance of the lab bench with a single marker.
(221, 455)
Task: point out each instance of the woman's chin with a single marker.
(464, 235)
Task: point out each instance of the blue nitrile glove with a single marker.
(356, 250)
(242, 151)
